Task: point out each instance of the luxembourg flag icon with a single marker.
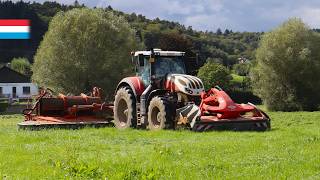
(14, 29)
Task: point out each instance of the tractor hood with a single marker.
(187, 84)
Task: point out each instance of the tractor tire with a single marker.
(125, 115)
(160, 114)
(268, 126)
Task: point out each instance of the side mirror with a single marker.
(152, 56)
(132, 57)
(151, 59)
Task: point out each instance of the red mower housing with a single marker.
(219, 111)
(66, 111)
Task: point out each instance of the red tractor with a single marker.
(162, 96)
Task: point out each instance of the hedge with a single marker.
(3, 106)
(240, 96)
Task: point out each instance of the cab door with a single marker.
(144, 69)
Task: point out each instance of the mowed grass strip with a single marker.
(290, 150)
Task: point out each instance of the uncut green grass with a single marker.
(291, 150)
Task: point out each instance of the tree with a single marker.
(21, 65)
(151, 39)
(84, 48)
(215, 60)
(219, 32)
(175, 42)
(286, 73)
(242, 69)
(213, 74)
(109, 8)
(226, 32)
(76, 3)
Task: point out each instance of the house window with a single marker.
(1, 91)
(26, 90)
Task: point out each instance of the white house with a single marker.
(15, 85)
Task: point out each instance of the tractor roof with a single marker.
(159, 52)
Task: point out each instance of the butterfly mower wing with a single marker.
(219, 112)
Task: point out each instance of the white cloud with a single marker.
(163, 8)
(311, 16)
(201, 14)
(211, 22)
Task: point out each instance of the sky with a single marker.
(238, 15)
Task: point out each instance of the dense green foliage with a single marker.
(3, 106)
(290, 151)
(214, 74)
(21, 65)
(287, 68)
(242, 69)
(84, 48)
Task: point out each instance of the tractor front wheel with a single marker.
(160, 114)
(125, 109)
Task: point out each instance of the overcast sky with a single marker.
(238, 15)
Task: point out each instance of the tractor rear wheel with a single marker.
(160, 114)
(125, 109)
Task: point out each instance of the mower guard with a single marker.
(219, 112)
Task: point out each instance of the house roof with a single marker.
(8, 75)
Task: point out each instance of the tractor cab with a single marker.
(157, 64)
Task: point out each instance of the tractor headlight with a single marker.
(188, 90)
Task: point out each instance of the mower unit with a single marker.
(219, 112)
(66, 111)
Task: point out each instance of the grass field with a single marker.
(291, 150)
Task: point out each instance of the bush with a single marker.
(213, 74)
(287, 67)
(244, 96)
(3, 106)
(242, 69)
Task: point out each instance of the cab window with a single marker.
(144, 69)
